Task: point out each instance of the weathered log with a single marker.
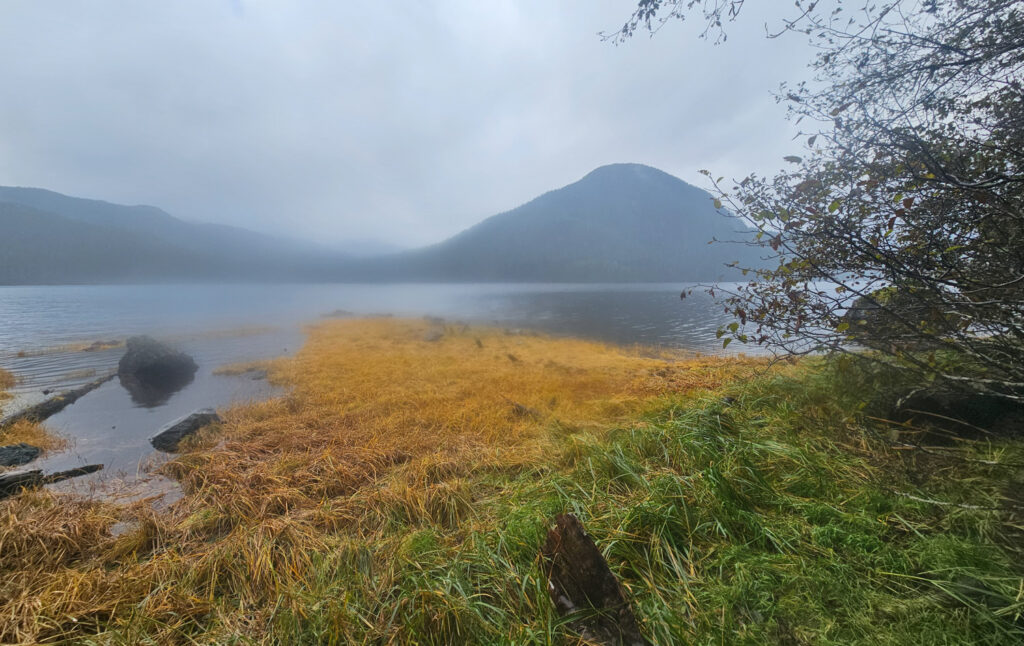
(53, 405)
(582, 585)
(72, 473)
(12, 483)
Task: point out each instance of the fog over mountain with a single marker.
(622, 222)
(404, 122)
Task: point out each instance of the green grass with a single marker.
(776, 519)
(762, 513)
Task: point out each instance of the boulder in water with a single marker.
(152, 372)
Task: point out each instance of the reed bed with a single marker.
(401, 490)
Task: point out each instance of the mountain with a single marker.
(366, 248)
(37, 247)
(622, 222)
(219, 250)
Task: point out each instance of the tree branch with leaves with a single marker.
(900, 227)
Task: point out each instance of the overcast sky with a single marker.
(399, 121)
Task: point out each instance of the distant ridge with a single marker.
(619, 223)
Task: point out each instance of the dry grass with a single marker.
(373, 402)
(31, 433)
(7, 380)
(23, 431)
(382, 429)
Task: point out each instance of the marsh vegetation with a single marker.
(400, 492)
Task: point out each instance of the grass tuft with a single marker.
(7, 380)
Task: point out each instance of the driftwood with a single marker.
(12, 483)
(582, 585)
(53, 405)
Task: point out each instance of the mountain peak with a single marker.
(629, 171)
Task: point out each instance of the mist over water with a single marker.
(33, 318)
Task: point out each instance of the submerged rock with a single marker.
(151, 372)
(15, 455)
(168, 437)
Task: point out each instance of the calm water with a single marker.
(42, 331)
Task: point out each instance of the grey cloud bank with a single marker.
(404, 122)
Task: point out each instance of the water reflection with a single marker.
(149, 393)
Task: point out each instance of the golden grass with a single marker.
(368, 394)
(381, 428)
(7, 380)
(24, 431)
(31, 433)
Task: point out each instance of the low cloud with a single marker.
(399, 121)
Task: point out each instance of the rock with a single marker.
(151, 372)
(14, 455)
(434, 320)
(1009, 424)
(433, 336)
(964, 414)
(579, 579)
(338, 314)
(168, 437)
(891, 319)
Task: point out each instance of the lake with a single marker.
(43, 331)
